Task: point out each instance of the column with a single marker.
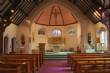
(1, 41)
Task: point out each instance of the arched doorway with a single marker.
(102, 38)
(6, 40)
(13, 42)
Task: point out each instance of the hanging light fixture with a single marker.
(12, 11)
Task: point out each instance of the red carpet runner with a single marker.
(55, 66)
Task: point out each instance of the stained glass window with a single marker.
(56, 32)
(103, 38)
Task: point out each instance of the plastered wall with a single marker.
(29, 29)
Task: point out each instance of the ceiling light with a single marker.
(100, 8)
(12, 11)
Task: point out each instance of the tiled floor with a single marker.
(55, 66)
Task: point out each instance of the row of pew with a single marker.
(20, 63)
(89, 63)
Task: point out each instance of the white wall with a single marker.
(10, 32)
(27, 29)
(24, 29)
(87, 26)
(71, 41)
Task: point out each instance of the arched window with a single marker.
(103, 38)
(41, 31)
(56, 32)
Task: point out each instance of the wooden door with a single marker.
(42, 48)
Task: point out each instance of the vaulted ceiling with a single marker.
(55, 15)
(96, 10)
(14, 11)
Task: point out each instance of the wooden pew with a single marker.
(41, 59)
(92, 65)
(37, 59)
(76, 65)
(10, 67)
(23, 57)
(26, 64)
(74, 56)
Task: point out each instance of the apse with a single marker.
(55, 15)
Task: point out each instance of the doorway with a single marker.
(6, 39)
(13, 41)
(42, 48)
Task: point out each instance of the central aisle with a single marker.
(55, 66)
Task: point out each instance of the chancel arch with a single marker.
(70, 20)
(62, 28)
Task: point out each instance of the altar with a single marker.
(58, 53)
(57, 47)
(56, 44)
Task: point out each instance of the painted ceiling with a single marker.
(55, 15)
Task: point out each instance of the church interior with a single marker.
(54, 36)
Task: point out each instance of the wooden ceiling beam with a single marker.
(88, 7)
